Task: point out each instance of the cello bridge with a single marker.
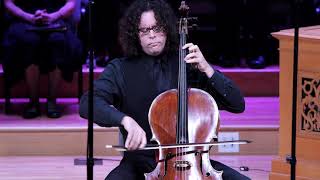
(182, 165)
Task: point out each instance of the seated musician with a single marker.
(40, 38)
(149, 37)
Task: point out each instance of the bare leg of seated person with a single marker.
(54, 79)
(32, 78)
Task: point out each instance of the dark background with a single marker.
(235, 28)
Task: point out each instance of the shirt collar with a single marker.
(152, 60)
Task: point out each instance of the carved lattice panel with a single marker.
(308, 104)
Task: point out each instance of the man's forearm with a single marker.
(16, 11)
(67, 10)
(103, 115)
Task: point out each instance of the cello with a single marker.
(183, 116)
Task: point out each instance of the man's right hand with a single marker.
(35, 18)
(136, 136)
(32, 19)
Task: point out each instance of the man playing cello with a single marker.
(149, 38)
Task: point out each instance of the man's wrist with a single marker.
(124, 121)
(60, 15)
(57, 15)
(209, 71)
(28, 17)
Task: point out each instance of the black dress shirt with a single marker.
(109, 89)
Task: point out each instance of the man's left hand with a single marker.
(196, 57)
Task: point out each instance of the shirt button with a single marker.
(224, 95)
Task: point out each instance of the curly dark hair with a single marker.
(129, 24)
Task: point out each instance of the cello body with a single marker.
(203, 121)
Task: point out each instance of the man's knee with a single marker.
(116, 176)
(19, 33)
(228, 172)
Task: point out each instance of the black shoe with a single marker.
(31, 111)
(52, 110)
(257, 63)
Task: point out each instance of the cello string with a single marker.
(179, 103)
(184, 98)
(182, 101)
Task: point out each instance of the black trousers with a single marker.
(134, 169)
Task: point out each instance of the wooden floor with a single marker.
(62, 168)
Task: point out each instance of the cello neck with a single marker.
(182, 123)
